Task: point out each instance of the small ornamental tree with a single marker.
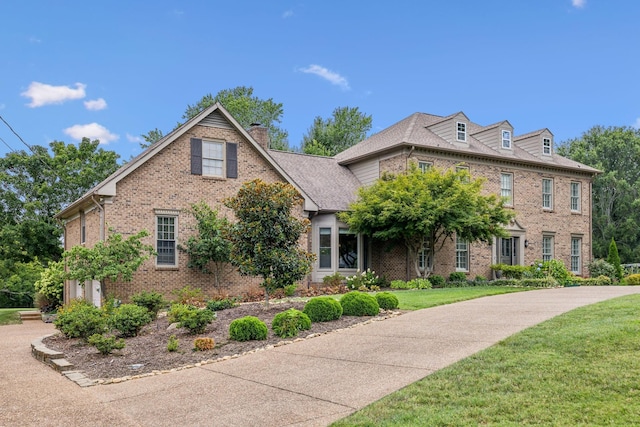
(424, 209)
(209, 251)
(265, 240)
(116, 258)
(614, 258)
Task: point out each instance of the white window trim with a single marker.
(508, 139)
(463, 132)
(424, 166)
(579, 196)
(577, 270)
(544, 147)
(508, 202)
(223, 160)
(425, 257)
(167, 213)
(550, 207)
(551, 248)
(467, 255)
(331, 260)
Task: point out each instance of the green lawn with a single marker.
(425, 298)
(10, 316)
(580, 368)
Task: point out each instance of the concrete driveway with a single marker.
(309, 383)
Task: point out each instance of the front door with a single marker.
(508, 250)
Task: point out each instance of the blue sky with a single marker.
(115, 70)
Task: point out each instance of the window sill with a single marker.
(167, 268)
(213, 177)
(548, 210)
(576, 213)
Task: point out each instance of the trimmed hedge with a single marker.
(248, 328)
(633, 280)
(387, 300)
(129, 319)
(80, 319)
(288, 323)
(323, 309)
(359, 304)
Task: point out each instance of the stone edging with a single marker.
(56, 359)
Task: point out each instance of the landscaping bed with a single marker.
(148, 352)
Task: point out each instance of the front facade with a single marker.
(210, 157)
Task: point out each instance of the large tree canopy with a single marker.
(423, 209)
(616, 203)
(35, 186)
(244, 107)
(345, 128)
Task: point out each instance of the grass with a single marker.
(10, 316)
(425, 298)
(580, 368)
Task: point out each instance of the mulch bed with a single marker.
(147, 352)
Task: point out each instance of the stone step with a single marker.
(30, 315)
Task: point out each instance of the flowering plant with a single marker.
(365, 279)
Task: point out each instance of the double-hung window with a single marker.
(546, 146)
(506, 139)
(424, 166)
(325, 248)
(547, 193)
(213, 158)
(547, 248)
(462, 255)
(166, 241)
(575, 197)
(461, 131)
(576, 254)
(424, 257)
(506, 188)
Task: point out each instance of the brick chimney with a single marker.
(260, 134)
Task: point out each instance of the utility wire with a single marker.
(28, 146)
(8, 146)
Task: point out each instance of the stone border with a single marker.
(56, 359)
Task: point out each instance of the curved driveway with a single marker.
(308, 383)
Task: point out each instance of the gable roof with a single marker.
(108, 186)
(413, 132)
(332, 187)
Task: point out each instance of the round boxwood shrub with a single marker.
(288, 323)
(191, 317)
(437, 281)
(323, 309)
(248, 328)
(387, 300)
(80, 319)
(152, 301)
(129, 319)
(359, 304)
(633, 280)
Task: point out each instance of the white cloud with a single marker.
(91, 131)
(95, 104)
(44, 94)
(578, 3)
(330, 76)
(287, 14)
(133, 138)
(637, 123)
(34, 39)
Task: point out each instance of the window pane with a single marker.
(462, 255)
(347, 249)
(212, 158)
(166, 241)
(575, 254)
(325, 248)
(506, 186)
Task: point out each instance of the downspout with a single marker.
(102, 223)
(310, 244)
(590, 222)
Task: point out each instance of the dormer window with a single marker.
(546, 146)
(461, 131)
(506, 139)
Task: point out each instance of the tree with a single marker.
(209, 251)
(615, 213)
(152, 137)
(114, 259)
(614, 259)
(423, 209)
(265, 240)
(345, 128)
(35, 186)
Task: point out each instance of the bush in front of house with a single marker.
(190, 317)
(417, 283)
(387, 300)
(288, 323)
(457, 276)
(357, 303)
(594, 281)
(437, 281)
(323, 309)
(105, 345)
(221, 304)
(172, 344)
(633, 280)
(203, 344)
(80, 319)
(152, 301)
(129, 319)
(248, 328)
(600, 267)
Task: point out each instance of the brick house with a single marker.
(211, 156)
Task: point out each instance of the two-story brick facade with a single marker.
(210, 157)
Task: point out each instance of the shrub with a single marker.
(359, 304)
(172, 344)
(50, 286)
(203, 344)
(222, 304)
(190, 296)
(290, 290)
(387, 300)
(595, 281)
(152, 301)
(248, 328)
(419, 284)
(364, 279)
(633, 280)
(288, 323)
(510, 271)
(323, 309)
(457, 276)
(333, 280)
(399, 284)
(106, 345)
(481, 279)
(601, 267)
(546, 282)
(191, 317)
(436, 280)
(129, 319)
(80, 319)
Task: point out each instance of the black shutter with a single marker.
(196, 156)
(232, 160)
